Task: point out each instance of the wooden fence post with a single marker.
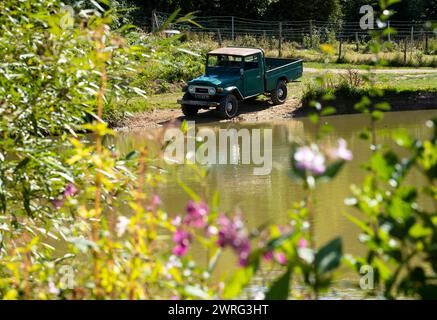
(219, 34)
(412, 43)
(280, 39)
(426, 42)
(405, 50)
(233, 29)
(389, 36)
(357, 40)
(155, 23)
(311, 34)
(340, 48)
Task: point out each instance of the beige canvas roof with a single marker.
(236, 51)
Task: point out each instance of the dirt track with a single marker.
(262, 111)
(251, 111)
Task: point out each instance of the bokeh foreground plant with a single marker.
(62, 234)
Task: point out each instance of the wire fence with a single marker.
(309, 31)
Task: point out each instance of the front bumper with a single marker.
(209, 104)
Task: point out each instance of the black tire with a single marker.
(279, 94)
(187, 110)
(228, 107)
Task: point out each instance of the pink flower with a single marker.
(281, 258)
(70, 190)
(58, 204)
(182, 239)
(342, 151)
(243, 253)
(308, 158)
(268, 256)
(156, 200)
(180, 251)
(302, 244)
(176, 221)
(232, 233)
(197, 214)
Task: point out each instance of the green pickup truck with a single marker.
(237, 74)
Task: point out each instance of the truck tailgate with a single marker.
(277, 68)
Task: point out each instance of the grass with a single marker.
(334, 65)
(403, 91)
(392, 82)
(392, 52)
(408, 82)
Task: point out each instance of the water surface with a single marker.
(268, 198)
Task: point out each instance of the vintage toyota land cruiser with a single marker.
(237, 74)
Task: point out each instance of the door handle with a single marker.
(258, 77)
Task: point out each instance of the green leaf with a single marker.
(275, 243)
(314, 117)
(399, 209)
(329, 256)
(22, 163)
(193, 195)
(333, 169)
(132, 155)
(280, 288)
(328, 111)
(384, 106)
(419, 231)
(402, 138)
(196, 292)
(377, 115)
(238, 281)
(383, 164)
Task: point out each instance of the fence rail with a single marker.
(232, 27)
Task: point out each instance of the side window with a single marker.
(251, 62)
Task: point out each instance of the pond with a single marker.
(268, 198)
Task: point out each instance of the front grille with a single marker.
(202, 90)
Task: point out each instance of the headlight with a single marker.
(211, 91)
(191, 89)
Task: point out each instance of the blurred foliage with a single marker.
(79, 220)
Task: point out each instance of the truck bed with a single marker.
(277, 68)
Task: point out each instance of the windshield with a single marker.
(224, 61)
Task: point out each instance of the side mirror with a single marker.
(242, 72)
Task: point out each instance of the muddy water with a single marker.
(267, 198)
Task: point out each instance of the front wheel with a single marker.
(187, 110)
(228, 107)
(279, 94)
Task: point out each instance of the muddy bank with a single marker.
(250, 111)
(264, 111)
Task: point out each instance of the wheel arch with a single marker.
(236, 92)
(284, 78)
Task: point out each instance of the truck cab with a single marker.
(237, 74)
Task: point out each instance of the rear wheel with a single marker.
(228, 107)
(279, 94)
(188, 110)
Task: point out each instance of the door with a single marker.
(253, 76)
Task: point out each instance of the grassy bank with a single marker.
(402, 91)
(344, 88)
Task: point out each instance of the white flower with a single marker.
(53, 289)
(122, 225)
(310, 159)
